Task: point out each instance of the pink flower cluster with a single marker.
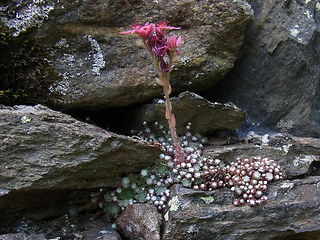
(157, 43)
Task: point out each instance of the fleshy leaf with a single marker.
(159, 81)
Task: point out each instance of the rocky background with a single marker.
(276, 78)
(72, 89)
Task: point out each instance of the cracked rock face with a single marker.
(292, 206)
(278, 72)
(46, 150)
(101, 68)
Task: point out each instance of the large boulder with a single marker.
(100, 68)
(276, 78)
(45, 151)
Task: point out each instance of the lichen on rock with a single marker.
(26, 14)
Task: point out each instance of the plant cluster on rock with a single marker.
(182, 160)
(247, 178)
(47, 154)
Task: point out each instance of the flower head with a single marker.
(159, 52)
(144, 31)
(163, 26)
(157, 44)
(161, 47)
(164, 66)
(159, 33)
(135, 29)
(172, 43)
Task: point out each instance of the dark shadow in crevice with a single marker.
(111, 119)
(26, 211)
(314, 169)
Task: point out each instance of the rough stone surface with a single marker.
(206, 117)
(140, 221)
(111, 236)
(46, 150)
(75, 228)
(297, 156)
(100, 230)
(99, 67)
(292, 207)
(21, 236)
(276, 78)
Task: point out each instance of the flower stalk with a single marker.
(163, 49)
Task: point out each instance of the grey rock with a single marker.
(292, 206)
(140, 221)
(101, 68)
(296, 156)
(111, 236)
(21, 236)
(64, 227)
(48, 150)
(100, 230)
(276, 78)
(206, 117)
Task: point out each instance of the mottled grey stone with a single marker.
(48, 150)
(206, 117)
(292, 206)
(101, 68)
(276, 78)
(21, 236)
(140, 221)
(100, 230)
(296, 156)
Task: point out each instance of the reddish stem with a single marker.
(170, 116)
(164, 77)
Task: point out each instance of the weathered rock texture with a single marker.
(100, 230)
(276, 79)
(99, 67)
(292, 206)
(63, 228)
(140, 221)
(21, 236)
(47, 150)
(206, 117)
(295, 155)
